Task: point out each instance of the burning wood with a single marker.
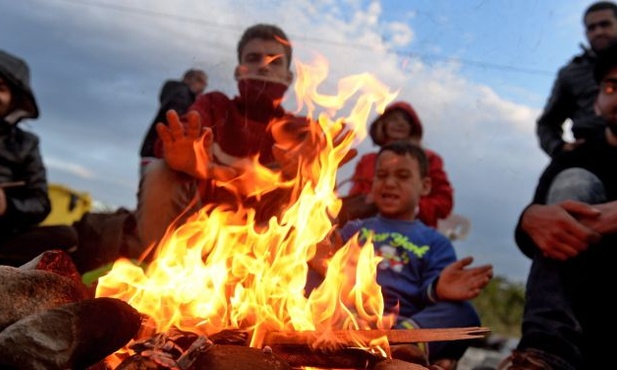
(228, 349)
(365, 337)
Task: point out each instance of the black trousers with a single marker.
(21, 247)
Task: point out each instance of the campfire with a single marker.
(230, 286)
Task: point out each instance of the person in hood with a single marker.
(399, 121)
(236, 128)
(24, 199)
(176, 95)
(574, 90)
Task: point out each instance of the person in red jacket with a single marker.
(234, 130)
(399, 121)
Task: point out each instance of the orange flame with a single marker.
(222, 269)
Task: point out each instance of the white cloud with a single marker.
(69, 167)
(120, 54)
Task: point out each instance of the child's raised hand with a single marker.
(458, 282)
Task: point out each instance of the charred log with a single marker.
(299, 355)
(398, 365)
(230, 357)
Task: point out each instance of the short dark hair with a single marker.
(600, 5)
(265, 32)
(404, 147)
(607, 60)
(192, 73)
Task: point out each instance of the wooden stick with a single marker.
(12, 184)
(355, 337)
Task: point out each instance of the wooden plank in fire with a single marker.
(395, 336)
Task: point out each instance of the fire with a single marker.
(225, 268)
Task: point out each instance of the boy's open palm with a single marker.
(458, 282)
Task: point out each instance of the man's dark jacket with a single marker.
(573, 96)
(20, 157)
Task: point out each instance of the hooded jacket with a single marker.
(436, 205)
(20, 157)
(572, 97)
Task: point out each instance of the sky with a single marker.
(477, 72)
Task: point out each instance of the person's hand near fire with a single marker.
(189, 148)
(458, 282)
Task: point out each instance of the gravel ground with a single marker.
(487, 358)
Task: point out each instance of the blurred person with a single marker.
(24, 198)
(575, 90)
(176, 95)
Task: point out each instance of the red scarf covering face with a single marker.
(260, 99)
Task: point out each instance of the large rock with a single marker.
(24, 292)
(72, 336)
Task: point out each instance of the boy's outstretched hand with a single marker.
(187, 149)
(457, 282)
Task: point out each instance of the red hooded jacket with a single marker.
(438, 204)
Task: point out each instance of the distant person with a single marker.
(574, 91)
(232, 129)
(399, 121)
(176, 95)
(570, 232)
(24, 199)
(419, 274)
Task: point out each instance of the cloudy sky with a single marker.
(478, 73)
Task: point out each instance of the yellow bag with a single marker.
(67, 205)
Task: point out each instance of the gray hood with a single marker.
(16, 72)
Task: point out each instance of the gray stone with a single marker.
(25, 292)
(72, 336)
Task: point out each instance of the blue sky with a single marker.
(477, 72)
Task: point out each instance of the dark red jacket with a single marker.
(241, 131)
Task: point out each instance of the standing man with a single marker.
(575, 90)
(177, 95)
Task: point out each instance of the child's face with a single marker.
(5, 98)
(397, 185)
(264, 59)
(606, 102)
(396, 126)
